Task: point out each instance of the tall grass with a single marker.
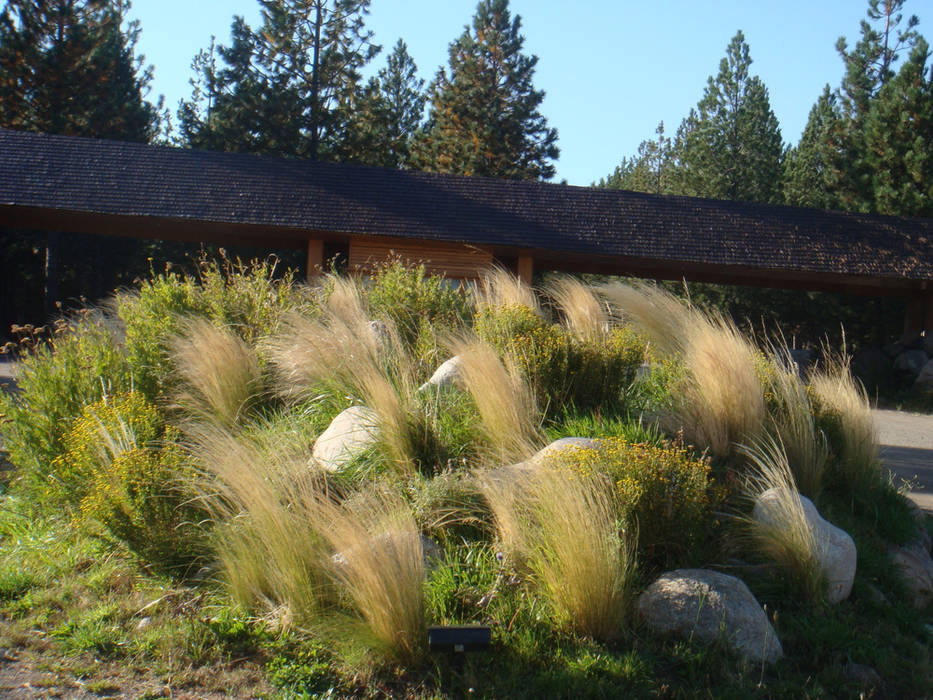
(778, 529)
(284, 540)
(793, 424)
(722, 400)
(584, 314)
(843, 409)
(342, 354)
(509, 419)
(563, 526)
(500, 287)
(219, 371)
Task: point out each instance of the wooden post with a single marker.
(919, 316)
(315, 259)
(525, 267)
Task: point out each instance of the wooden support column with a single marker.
(315, 263)
(525, 267)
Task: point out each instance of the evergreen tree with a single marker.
(868, 67)
(899, 139)
(730, 146)
(807, 165)
(648, 171)
(389, 113)
(484, 117)
(67, 67)
(288, 88)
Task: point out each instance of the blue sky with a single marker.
(612, 69)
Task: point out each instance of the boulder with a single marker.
(928, 343)
(923, 535)
(802, 360)
(564, 447)
(397, 540)
(835, 548)
(706, 605)
(911, 362)
(349, 435)
(923, 384)
(445, 376)
(914, 563)
(872, 366)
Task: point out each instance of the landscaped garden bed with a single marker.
(231, 483)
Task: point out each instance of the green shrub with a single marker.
(665, 491)
(123, 466)
(81, 362)
(588, 373)
(420, 306)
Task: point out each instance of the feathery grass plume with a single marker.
(268, 549)
(843, 409)
(722, 399)
(219, 371)
(563, 526)
(509, 418)
(500, 287)
(783, 535)
(344, 354)
(793, 424)
(378, 561)
(584, 314)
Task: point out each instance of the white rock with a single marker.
(915, 565)
(349, 435)
(563, 448)
(835, 548)
(445, 376)
(706, 605)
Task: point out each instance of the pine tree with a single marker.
(389, 113)
(899, 139)
(647, 171)
(288, 88)
(807, 165)
(68, 68)
(868, 67)
(730, 146)
(484, 117)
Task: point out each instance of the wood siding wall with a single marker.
(455, 261)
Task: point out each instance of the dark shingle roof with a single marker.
(109, 177)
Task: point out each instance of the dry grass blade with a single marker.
(781, 533)
(793, 424)
(509, 416)
(585, 572)
(501, 288)
(219, 371)
(845, 407)
(584, 313)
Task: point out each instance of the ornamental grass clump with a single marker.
(509, 420)
(500, 287)
(792, 423)
(722, 398)
(563, 526)
(781, 533)
(219, 373)
(582, 311)
(844, 413)
(343, 355)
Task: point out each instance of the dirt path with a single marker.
(907, 449)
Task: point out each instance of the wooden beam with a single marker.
(315, 259)
(525, 268)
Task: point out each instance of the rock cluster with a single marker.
(907, 363)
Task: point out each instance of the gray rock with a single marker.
(445, 376)
(892, 350)
(802, 359)
(923, 384)
(349, 435)
(923, 535)
(928, 342)
(914, 563)
(865, 676)
(874, 594)
(709, 605)
(563, 448)
(835, 548)
(397, 541)
(911, 362)
(872, 366)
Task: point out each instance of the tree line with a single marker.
(294, 86)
